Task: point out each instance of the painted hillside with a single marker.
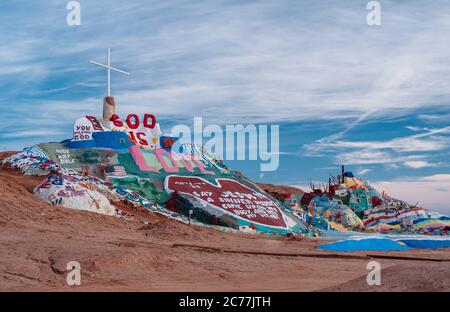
(354, 203)
(111, 161)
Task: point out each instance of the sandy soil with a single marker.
(38, 240)
(283, 189)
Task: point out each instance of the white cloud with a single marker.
(32, 133)
(413, 128)
(438, 178)
(362, 157)
(361, 172)
(419, 164)
(430, 140)
(394, 151)
(432, 192)
(264, 61)
(434, 117)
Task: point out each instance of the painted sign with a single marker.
(83, 128)
(231, 197)
(64, 157)
(143, 131)
(154, 160)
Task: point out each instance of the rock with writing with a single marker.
(83, 128)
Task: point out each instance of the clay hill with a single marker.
(281, 189)
(154, 253)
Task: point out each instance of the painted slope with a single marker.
(355, 204)
(113, 158)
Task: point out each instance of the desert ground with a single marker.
(153, 253)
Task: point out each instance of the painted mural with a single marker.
(354, 203)
(131, 160)
(230, 197)
(134, 158)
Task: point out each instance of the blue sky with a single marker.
(373, 98)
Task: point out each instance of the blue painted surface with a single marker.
(111, 139)
(81, 144)
(107, 139)
(364, 244)
(426, 243)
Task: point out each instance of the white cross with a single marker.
(109, 68)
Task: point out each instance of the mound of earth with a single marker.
(154, 253)
(281, 189)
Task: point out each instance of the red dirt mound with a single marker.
(282, 189)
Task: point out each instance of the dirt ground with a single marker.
(38, 240)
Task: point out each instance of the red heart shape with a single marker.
(230, 196)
